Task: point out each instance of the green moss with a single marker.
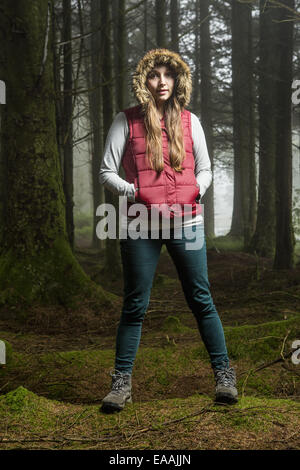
(52, 277)
(172, 324)
(26, 416)
(261, 385)
(260, 343)
(27, 412)
(17, 399)
(63, 375)
(259, 414)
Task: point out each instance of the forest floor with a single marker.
(57, 371)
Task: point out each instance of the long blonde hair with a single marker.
(154, 151)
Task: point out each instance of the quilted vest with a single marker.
(167, 190)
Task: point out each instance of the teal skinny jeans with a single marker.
(139, 259)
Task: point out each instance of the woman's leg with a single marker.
(191, 265)
(139, 259)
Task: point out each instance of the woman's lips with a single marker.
(161, 92)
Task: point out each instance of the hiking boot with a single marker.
(120, 392)
(226, 391)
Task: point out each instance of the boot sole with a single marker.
(111, 407)
(226, 399)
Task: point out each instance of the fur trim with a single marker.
(162, 56)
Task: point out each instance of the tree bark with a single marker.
(120, 54)
(36, 261)
(160, 12)
(196, 76)
(68, 121)
(263, 240)
(206, 111)
(112, 255)
(57, 88)
(95, 104)
(145, 15)
(174, 16)
(284, 258)
(244, 201)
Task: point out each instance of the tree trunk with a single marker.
(284, 228)
(112, 255)
(95, 104)
(160, 12)
(120, 54)
(36, 261)
(145, 14)
(243, 124)
(195, 103)
(206, 111)
(263, 240)
(174, 16)
(68, 121)
(57, 88)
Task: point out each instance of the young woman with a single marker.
(162, 148)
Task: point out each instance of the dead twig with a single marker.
(283, 344)
(245, 382)
(268, 364)
(291, 370)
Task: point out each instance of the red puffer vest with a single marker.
(170, 189)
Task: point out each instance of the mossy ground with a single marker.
(34, 422)
(57, 373)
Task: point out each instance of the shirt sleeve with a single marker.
(203, 171)
(114, 148)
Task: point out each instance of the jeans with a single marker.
(139, 258)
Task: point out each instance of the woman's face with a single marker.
(161, 81)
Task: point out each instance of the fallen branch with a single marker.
(291, 370)
(268, 364)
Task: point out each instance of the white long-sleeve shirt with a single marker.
(114, 150)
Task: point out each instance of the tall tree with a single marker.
(263, 240)
(68, 120)
(57, 84)
(112, 255)
(196, 75)
(36, 261)
(244, 202)
(174, 17)
(145, 16)
(160, 21)
(119, 53)
(206, 109)
(284, 229)
(95, 106)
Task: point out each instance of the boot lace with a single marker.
(225, 377)
(119, 381)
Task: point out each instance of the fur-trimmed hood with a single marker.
(183, 83)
